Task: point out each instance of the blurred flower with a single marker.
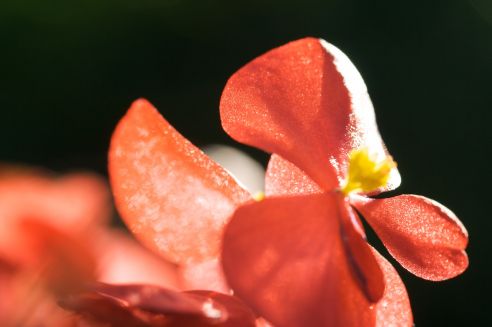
(54, 240)
(299, 257)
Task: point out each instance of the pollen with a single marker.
(366, 173)
(259, 196)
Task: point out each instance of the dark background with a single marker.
(70, 69)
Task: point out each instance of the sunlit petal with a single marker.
(424, 236)
(171, 195)
(286, 258)
(306, 102)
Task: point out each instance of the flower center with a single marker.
(366, 173)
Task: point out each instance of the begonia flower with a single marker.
(177, 201)
(299, 257)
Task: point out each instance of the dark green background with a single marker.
(70, 69)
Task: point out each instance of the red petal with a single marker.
(152, 299)
(153, 306)
(237, 314)
(285, 257)
(306, 102)
(284, 178)
(170, 194)
(424, 236)
(394, 308)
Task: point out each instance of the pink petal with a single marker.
(306, 102)
(171, 195)
(71, 204)
(284, 178)
(121, 259)
(394, 308)
(285, 257)
(424, 236)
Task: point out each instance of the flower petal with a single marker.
(145, 305)
(171, 195)
(394, 308)
(285, 257)
(306, 102)
(122, 260)
(206, 275)
(71, 204)
(424, 236)
(284, 178)
(237, 314)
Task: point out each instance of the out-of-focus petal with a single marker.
(424, 236)
(307, 102)
(285, 257)
(146, 305)
(393, 310)
(171, 195)
(206, 275)
(72, 204)
(284, 178)
(122, 260)
(58, 260)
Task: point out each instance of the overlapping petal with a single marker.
(424, 236)
(306, 102)
(393, 310)
(144, 305)
(286, 257)
(172, 196)
(284, 178)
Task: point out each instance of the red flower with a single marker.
(300, 258)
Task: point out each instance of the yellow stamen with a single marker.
(259, 196)
(366, 173)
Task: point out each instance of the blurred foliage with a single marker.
(70, 69)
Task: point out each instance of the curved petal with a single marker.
(307, 102)
(424, 236)
(285, 257)
(171, 195)
(284, 178)
(394, 307)
(143, 305)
